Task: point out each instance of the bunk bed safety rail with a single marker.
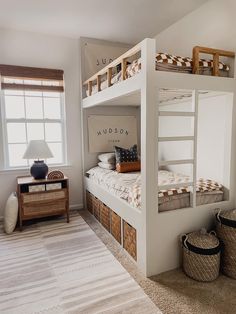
(108, 69)
(216, 53)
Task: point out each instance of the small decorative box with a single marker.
(36, 188)
(53, 186)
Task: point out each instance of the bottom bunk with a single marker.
(127, 186)
(120, 229)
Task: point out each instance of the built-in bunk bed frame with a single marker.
(150, 236)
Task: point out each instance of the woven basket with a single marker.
(89, 201)
(129, 239)
(105, 216)
(96, 207)
(226, 231)
(116, 226)
(201, 255)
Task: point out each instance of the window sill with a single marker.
(26, 169)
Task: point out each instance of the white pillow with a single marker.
(106, 165)
(11, 213)
(107, 157)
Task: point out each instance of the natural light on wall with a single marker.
(31, 114)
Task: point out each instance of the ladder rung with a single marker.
(174, 186)
(176, 162)
(176, 114)
(175, 138)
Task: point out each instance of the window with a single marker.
(32, 109)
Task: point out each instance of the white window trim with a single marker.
(4, 158)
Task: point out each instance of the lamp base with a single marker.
(39, 170)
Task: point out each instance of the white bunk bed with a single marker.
(156, 233)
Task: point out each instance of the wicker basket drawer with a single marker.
(44, 196)
(116, 226)
(96, 207)
(44, 208)
(89, 201)
(105, 214)
(129, 239)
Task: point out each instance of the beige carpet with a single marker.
(53, 267)
(173, 292)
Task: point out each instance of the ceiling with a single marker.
(118, 20)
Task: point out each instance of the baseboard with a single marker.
(76, 206)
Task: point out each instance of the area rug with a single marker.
(52, 267)
(173, 292)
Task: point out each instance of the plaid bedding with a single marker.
(127, 186)
(187, 62)
(168, 177)
(169, 62)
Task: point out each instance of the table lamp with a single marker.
(38, 149)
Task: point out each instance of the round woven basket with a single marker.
(201, 255)
(226, 231)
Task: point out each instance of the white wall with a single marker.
(212, 25)
(30, 49)
(214, 120)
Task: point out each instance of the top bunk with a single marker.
(120, 82)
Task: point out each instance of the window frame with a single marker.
(3, 130)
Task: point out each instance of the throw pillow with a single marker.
(126, 155)
(129, 166)
(11, 213)
(106, 165)
(107, 157)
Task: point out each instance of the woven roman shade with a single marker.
(30, 78)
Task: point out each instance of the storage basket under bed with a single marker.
(226, 231)
(201, 255)
(105, 216)
(89, 201)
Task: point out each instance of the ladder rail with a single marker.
(176, 114)
(193, 198)
(176, 162)
(175, 138)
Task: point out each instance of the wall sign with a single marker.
(98, 54)
(105, 132)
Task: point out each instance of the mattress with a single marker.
(169, 63)
(127, 186)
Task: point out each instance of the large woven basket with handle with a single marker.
(226, 231)
(201, 255)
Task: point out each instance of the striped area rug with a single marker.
(54, 267)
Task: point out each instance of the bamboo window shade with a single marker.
(30, 78)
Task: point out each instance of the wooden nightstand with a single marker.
(42, 198)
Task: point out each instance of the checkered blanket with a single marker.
(166, 61)
(167, 177)
(187, 62)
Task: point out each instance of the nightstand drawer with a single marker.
(44, 208)
(41, 197)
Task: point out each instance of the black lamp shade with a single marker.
(39, 170)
